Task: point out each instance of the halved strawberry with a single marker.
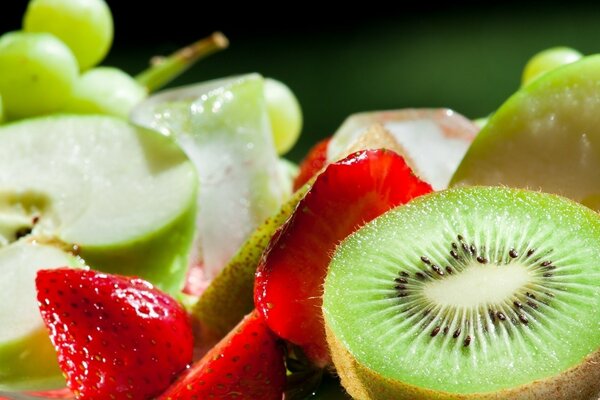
(247, 364)
(116, 337)
(314, 161)
(289, 279)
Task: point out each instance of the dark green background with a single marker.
(355, 58)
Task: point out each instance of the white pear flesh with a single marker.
(435, 140)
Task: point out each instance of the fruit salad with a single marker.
(159, 245)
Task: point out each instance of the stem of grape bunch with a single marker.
(164, 69)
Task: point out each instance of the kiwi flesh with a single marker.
(469, 293)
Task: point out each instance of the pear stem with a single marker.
(163, 70)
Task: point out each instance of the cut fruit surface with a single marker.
(224, 128)
(471, 293)
(314, 162)
(290, 276)
(230, 296)
(103, 185)
(435, 140)
(27, 358)
(117, 197)
(545, 137)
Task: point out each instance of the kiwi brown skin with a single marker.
(581, 382)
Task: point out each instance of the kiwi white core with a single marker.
(478, 286)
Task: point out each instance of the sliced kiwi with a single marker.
(470, 293)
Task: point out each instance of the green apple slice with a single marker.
(545, 137)
(27, 358)
(120, 198)
(434, 140)
(224, 128)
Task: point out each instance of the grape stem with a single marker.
(163, 70)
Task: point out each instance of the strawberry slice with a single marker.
(314, 161)
(116, 337)
(247, 364)
(289, 278)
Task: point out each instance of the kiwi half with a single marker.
(471, 293)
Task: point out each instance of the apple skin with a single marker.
(545, 137)
(160, 258)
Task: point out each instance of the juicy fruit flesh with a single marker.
(557, 115)
(18, 264)
(435, 140)
(343, 197)
(26, 354)
(477, 285)
(543, 328)
(105, 182)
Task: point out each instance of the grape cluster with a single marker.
(50, 66)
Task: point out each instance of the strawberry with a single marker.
(116, 337)
(289, 278)
(247, 364)
(314, 161)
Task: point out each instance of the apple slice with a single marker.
(27, 358)
(545, 137)
(224, 128)
(435, 140)
(120, 198)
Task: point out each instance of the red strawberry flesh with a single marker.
(247, 364)
(348, 194)
(116, 337)
(314, 161)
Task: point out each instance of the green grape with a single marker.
(86, 26)
(284, 113)
(548, 60)
(105, 90)
(1, 110)
(38, 73)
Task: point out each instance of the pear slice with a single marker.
(230, 295)
(434, 140)
(545, 137)
(224, 128)
(117, 197)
